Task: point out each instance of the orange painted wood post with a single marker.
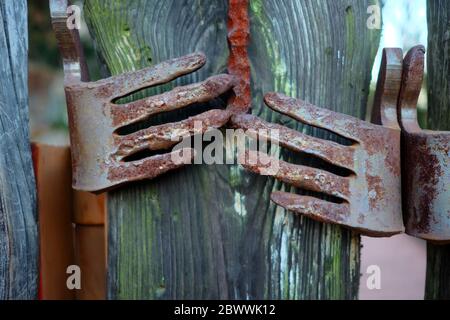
(90, 238)
(53, 177)
(72, 228)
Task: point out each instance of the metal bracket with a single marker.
(370, 198)
(426, 161)
(99, 152)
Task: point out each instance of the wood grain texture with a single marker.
(18, 222)
(438, 56)
(211, 231)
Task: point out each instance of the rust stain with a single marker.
(424, 169)
(98, 151)
(313, 208)
(425, 161)
(239, 62)
(328, 151)
(177, 98)
(141, 170)
(165, 136)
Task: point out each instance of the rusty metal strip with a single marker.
(239, 62)
(426, 161)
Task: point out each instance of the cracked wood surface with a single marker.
(18, 225)
(211, 231)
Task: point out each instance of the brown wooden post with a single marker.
(90, 244)
(72, 229)
(53, 178)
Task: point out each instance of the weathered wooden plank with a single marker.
(18, 225)
(438, 56)
(211, 231)
(322, 52)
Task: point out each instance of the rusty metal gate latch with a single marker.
(426, 161)
(99, 153)
(370, 198)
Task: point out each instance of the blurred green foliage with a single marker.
(48, 109)
(43, 46)
(42, 43)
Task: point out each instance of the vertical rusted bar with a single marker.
(239, 63)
